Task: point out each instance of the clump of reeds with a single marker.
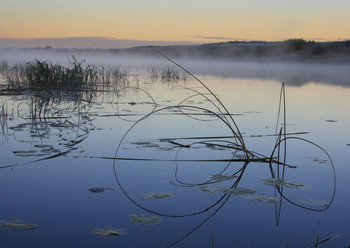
(45, 73)
(77, 75)
(15, 74)
(152, 73)
(119, 75)
(170, 74)
(4, 65)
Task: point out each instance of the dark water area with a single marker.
(170, 162)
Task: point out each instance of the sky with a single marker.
(126, 23)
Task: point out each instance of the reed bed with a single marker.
(170, 74)
(78, 75)
(4, 65)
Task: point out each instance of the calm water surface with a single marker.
(154, 136)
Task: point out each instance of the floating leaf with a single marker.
(24, 153)
(215, 147)
(282, 182)
(220, 177)
(207, 189)
(43, 146)
(146, 144)
(108, 231)
(262, 199)
(16, 224)
(99, 190)
(145, 220)
(323, 161)
(152, 195)
(237, 191)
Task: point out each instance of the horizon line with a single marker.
(100, 42)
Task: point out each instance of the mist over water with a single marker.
(80, 165)
(291, 73)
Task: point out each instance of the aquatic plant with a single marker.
(78, 75)
(169, 74)
(282, 182)
(153, 195)
(99, 190)
(237, 191)
(145, 220)
(4, 66)
(45, 73)
(153, 73)
(220, 177)
(108, 231)
(16, 224)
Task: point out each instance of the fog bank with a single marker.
(292, 73)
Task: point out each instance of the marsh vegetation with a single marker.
(171, 154)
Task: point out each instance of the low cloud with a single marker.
(218, 38)
(82, 42)
(318, 39)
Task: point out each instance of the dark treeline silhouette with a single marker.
(289, 50)
(292, 49)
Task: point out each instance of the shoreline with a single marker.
(294, 50)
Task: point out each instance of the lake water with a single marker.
(170, 164)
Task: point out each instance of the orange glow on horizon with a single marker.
(193, 21)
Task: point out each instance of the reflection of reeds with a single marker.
(3, 117)
(318, 242)
(48, 82)
(152, 73)
(48, 119)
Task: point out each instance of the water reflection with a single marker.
(166, 151)
(45, 127)
(183, 156)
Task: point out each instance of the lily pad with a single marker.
(145, 220)
(220, 177)
(237, 191)
(145, 144)
(99, 190)
(16, 224)
(321, 161)
(207, 189)
(25, 153)
(153, 195)
(43, 146)
(262, 199)
(282, 182)
(108, 231)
